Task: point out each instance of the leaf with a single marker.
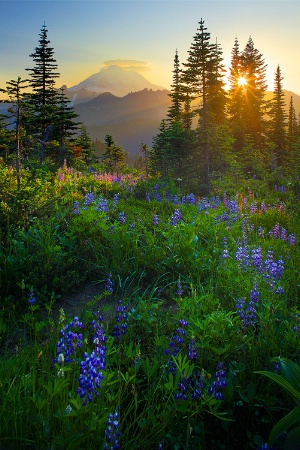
(283, 424)
(293, 439)
(291, 372)
(281, 382)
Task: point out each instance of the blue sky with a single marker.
(87, 33)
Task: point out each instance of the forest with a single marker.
(151, 303)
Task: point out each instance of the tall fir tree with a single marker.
(65, 126)
(235, 105)
(16, 114)
(255, 106)
(114, 156)
(203, 81)
(44, 95)
(174, 112)
(278, 123)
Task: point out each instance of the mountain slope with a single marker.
(131, 120)
(115, 79)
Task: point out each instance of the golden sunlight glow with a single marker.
(242, 81)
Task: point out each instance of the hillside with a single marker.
(131, 120)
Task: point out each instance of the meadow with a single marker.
(193, 339)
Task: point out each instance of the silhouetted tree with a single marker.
(278, 122)
(114, 156)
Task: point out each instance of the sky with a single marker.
(88, 35)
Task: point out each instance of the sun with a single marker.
(242, 81)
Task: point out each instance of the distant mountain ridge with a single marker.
(114, 79)
(131, 120)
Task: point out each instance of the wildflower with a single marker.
(277, 365)
(246, 312)
(76, 208)
(91, 375)
(219, 382)
(156, 219)
(161, 445)
(31, 297)
(292, 239)
(69, 341)
(89, 198)
(68, 409)
(192, 350)
(175, 217)
(112, 432)
(102, 205)
(122, 218)
(179, 290)
(254, 294)
(60, 358)
(115, 200)
(61, 373)
(109, 284)
(121, 319)
(225, 253)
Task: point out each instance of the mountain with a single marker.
(114, 79)
(131, 120)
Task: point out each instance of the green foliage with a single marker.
(289, 380)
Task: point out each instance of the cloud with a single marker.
(129, 64)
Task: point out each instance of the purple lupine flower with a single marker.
(90, 376)
(109, 284)
(121, 321)
(112, 432)
(115, 200)
(253, 208)
(192, 350)
(69, 341)
(179, 290)
(122, 218)
(260, 231)
(156, 219)
(157, 196)
(254, 294)
(263, 208)
(256, 258)
(292, 239)
(176, 342)
(102, 205)
(31, 297)
(247, 312)
(225, 253)
(89, 198)
(76, 208)
(283, 234)
(219, 382)
(175, 217)
(277, 365)
(161, 445)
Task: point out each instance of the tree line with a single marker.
(41, 126)
(210, 130)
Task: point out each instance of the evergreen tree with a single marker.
(85, 146)
(203, 80)
(292, 120)
(159, 156)
(17, 111)
(44, 95)
(65, 126)
(254, 70)
(236, 97)
(174, 112)
(114, 156)
(278, 119)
